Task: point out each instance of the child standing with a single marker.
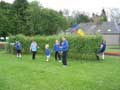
(33, 48)
(102, 50)
(57, 50)
(65, 47)
(18, 49)
(47, 52)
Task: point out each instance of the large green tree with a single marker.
(5, 19)
(26, 18)
(21, 16)
(45, 21)
(35, 18)
(52, 21)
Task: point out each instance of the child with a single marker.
(65, 47)
(102, 50)
(18, 49)
(33, 48)
(57, 50)
(47, 52)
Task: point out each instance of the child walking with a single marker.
(47, 52)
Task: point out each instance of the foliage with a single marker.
(79, 47)
(29, 19)
(103, 16)
(98, 19)
(5, 19)
(115, 15)
(21, 16)
(46, 21)
(78, 17)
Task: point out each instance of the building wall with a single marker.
(112, 39)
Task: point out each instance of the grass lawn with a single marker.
(113, 49)
(113, 46)
(26, 74)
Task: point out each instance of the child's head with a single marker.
(63, 38)
(16, 41)
(47, 46)
(56, 41)
(33, 40)
(103, 41)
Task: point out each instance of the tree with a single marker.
(115, 15)
(52, 21)
(45, 21)
(79, 17)
(35, 18)
(103, 16)
(21, 16)
(66, 12)
(98, 19)
(5, 22)
(26, 18)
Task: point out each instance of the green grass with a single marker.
(113, 46)
(26, 74)
(113, 49)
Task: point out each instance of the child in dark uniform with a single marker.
(18, 49)
(57, 50)
(102, 50)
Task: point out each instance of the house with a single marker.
(109, 30)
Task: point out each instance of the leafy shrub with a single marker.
(79, 47)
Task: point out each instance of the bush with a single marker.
(79, 47)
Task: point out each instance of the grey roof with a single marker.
(104, 28)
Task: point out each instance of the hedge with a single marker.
(79, 47)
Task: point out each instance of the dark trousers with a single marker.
(64, 58)
(33, 54)
(97, 57)
(57, 55)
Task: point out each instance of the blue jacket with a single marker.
(65, 45)
(56, 47)
(47, 51)
(103, 47)
(18, 46)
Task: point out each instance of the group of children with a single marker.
(58, 48)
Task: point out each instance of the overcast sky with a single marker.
(81, 5)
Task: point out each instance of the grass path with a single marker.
(26, 74)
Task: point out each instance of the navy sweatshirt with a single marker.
(47, 51)
(65, 45)
(56, 47)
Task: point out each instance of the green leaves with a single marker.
(79, 47)
(29, 19)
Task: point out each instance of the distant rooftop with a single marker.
(103, 28)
